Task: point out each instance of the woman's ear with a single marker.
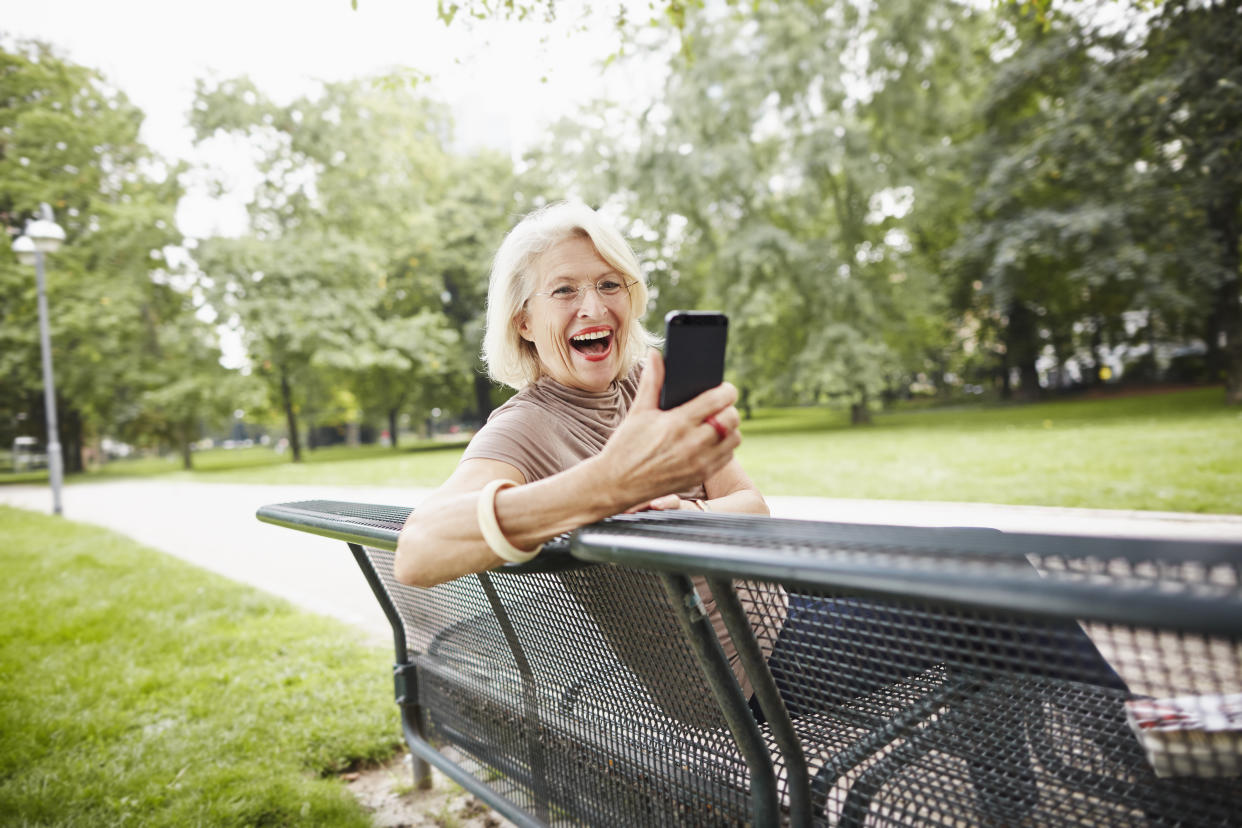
(522, 322)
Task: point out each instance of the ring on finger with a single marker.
(721, 431)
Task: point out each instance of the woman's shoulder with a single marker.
(522, 407)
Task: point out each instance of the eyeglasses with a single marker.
(568, 294)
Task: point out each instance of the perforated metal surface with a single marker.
(913, 710)
(933, 677)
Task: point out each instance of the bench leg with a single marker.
(412, 724)
(422, 773)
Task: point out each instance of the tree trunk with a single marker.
(482, 396)
(187, 461)
(860, 412)
(291, 419)
(70, 439)
(1022, 348)
(1227, 315)
(1097, 349)
(392, 427)
(744, 403)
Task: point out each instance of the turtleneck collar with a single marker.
(607, 400)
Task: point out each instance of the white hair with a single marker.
(512, 360)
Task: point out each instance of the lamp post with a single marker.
(44, 235)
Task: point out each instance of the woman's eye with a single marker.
(563, 292)
(610, 286)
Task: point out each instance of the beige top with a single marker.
(546, 428)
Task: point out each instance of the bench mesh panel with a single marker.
(595, 746)
(911, 709)
(916, 712)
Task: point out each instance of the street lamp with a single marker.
(44, 235)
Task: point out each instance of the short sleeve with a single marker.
(518, 435)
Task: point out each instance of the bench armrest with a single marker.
(378, 526)
(1192, 586)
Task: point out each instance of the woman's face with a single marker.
(579, 340)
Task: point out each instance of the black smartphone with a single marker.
(694, 354)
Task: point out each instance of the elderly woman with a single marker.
(584, 437)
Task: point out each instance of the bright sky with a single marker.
(504, 81)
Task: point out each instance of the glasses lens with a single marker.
(567, 294)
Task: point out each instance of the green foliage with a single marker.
(361, 288)
(70, 139)
(895, 191)
(806, 196)
(892, 194)
(187, 389)
(1107, 182)
(138, 688)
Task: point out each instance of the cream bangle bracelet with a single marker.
(490, 527)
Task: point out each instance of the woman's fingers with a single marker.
(726, 423)
(648, 393)
(709, 402)
(655, 452)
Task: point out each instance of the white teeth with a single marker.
(587, 337)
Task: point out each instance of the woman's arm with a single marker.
(651, 452)
(441, 539)
(730, 490)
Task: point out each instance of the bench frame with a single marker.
(674, 548)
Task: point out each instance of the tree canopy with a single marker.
(70, 139)
(887, 197)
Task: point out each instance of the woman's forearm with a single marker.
(442, 539)
(744, 502)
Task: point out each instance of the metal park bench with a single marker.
(941, 676)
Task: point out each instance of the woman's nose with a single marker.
(592, 303)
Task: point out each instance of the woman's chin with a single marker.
(594, 373)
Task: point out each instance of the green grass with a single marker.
(1176, 451)
(418, 464)
(140, 690)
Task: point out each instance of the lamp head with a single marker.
(25, 250)
(46, 234)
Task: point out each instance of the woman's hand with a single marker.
(654, 452)
(668, 503)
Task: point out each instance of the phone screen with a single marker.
(694, 354)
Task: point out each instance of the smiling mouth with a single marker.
(593, 344)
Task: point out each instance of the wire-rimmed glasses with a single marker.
(569, 294)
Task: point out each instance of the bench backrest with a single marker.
(963, 676)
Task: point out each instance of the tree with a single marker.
(70, 139)
(186, 388)
(796, 195)
(290, 296)
(1186, 110)
(347, 204)
(1105, 186)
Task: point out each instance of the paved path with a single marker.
(213, 525)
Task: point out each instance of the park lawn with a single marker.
(140, 689)
(423, 463)
(1176, 451)
(1179, 451)
(1170, 451)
